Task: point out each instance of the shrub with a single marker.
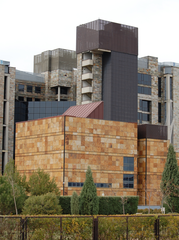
(75, 204)
(44, 204)
(65, 203)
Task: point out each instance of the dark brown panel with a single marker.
(152, 131)
(106, 35)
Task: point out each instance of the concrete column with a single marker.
(168, 106)
(58, 93)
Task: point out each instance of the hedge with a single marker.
(107, 205)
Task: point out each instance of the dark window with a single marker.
(37, 99)
(171, 87)
(29, 88)
(145, 117)
(140, 117)
(159, 87)
(99, 185)
(21, 88)
(144, 90)
(128, 181)
(37, 89)
(6, 70)
(63, 90)
(144, 79)
(159, 112)
(165, 88)
(145, 105)
(5, 84)
(29, 99)
(21, 99)
(56, 90)
(128, 164)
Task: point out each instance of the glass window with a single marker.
(144, 105)
(29, 99)
(37, 100)
(159, 87)
(128, 181)
(21, 88)
(128, 164)
(29, 88)
(37, 89)
(159, 113)
(21, 99)
(144, 90)
(145, 117)
(171, 88)
(144, 79)
(64, 90)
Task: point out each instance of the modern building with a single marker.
(131, 100)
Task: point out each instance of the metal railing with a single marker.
(90, 227)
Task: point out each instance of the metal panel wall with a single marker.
(120, 87)
(107, 35)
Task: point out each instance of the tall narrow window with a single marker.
(159, 87)
(128, 164)
(159, 113)
(128, 181)
(171, 88)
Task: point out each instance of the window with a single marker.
(159, 113)
(29, 99)
(144, 79)
(98, 185)
(171, 87)
(37, 89)
(145, 105)
(144, 90)
(29, 88)
(37, 99)
(128, 164)
(159, 87)
(128, 181)
(21, 88)
(21, 99)
(64, 90)
(143, 117)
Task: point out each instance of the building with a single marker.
(132, 91)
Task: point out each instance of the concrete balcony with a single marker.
(88, 62)
(86, 90)
(87, 76)
(86, 102)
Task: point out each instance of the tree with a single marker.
(89, 202)
(123, 201)
(170, 178)
(40, 183)
(16, 183)
(44, 204)
(74, 204)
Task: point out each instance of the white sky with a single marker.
(30, 27)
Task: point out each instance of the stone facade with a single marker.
(97, 77)
(26, 94)
(79, 81)
(152, 154)
(6, 114)
(176, 108)
(96, 143)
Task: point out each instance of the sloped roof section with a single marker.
(91, 110)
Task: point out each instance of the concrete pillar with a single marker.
(168, 105)
(58, 93)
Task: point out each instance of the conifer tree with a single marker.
(75, 204)
(170, 177)
(89, 202)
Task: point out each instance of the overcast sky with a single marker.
(30, 27)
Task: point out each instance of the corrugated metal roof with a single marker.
(83, 111)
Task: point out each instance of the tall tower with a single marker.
(107, 68)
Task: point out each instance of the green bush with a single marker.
(65, 203)
(113, 205)
(43, 204)
(75, 204)
(107, 205)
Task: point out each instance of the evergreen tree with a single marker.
(170, 178)
(89, 202)
(75, 204)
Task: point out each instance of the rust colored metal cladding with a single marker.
(91, 110)
(105, 35)
(152, 131)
